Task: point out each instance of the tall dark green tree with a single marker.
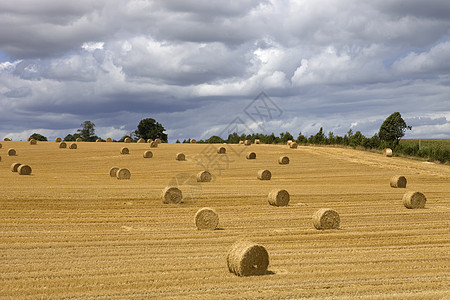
(393, 128)
(150, 129)
(87, 131)
(39, 137)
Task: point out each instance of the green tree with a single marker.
(39, 137)
(150, 129)
(393, 128)
(71, 137)
(215, 140)
(87, 131)
(286, 136)
(301, 138)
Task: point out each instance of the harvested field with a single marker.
(68, 230)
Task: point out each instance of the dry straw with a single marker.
(293, 145)
(153, 144)
(127, 140)
(58, 140)
(204, 176)
(98, 140)
(387, 152)
(283, 160)
(24, 170)
(326, 218)
(79, 140)
(398, 181)
(158, 141)
(289, 142)
(251, 155)
(109, 140)
(123, 173)
(206, 219)
(15, 166)
(279, 197)
(180, 156)
(264, 175)
(221, 150)
(241, 142)
(171, 195)
(149, 141)
(247, 142)
(12, 152)
(29, 138)
(33, 142)
(148, 154)
(257, 141)
(414, 200)
(0, 158)
(73, 146)
(1, 145)
(124, 150)
(247, 258)
(62, 145)
(193, 141)
(141, 140)
(113, 171)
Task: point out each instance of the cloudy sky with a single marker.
(198, 66)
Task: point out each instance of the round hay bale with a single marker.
(123, 173)
(251, 155)
(398, 181)
(153, 144)
(293, 145)
(204, 176)
(29, 138)
(283, 160)
(206, 219)
(158, 141)
(193, 141)
(221, 150)
(15, 166)
(12, 152)
(326, 218)
(180, 156)
(148, 154)
(247, 258)
(79, 140)
(7, 139)
(62, 145)
(58, 140)
(33, 142)
(289, 142)
(171, 194)
(1, 145)
(257, 141)
(279, 197)
(24, 170)
(109, 140)
(241, 142)
(141, 140)
(149, 141)
(264, 175)
(127, 140)
(0, 158)
(73, 146)
(113, 171)
(247, 142)
(98, 140)
(387, 152)
(124, 150)
(414, 200)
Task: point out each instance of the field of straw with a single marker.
(70, 230)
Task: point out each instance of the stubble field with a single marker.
(69, 230)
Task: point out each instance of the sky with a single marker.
(203, 68)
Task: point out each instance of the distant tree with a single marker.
(301, 138)
(319, 138)
(286, 136)
(233, 138)
(87, 131)
(150, 129)
(357, 139)
(215, 140)
(393, 128)
(71, 137)
(39, 137)
(178, 141)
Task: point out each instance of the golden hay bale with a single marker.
(247, 258)
(158, 141)
(154, 144)
(241, 142)
(15, 166)
(7, 139)
(283, 160)
(247, 142)
(180, 156)
(12, 152)
(171, 194)
(29, 139)
(0, 158)
(387, 152)
(58, 140)
(33, 142)
(206, 219)
(62, 145)
(148, 154)
(413, 200)
(251, 155)
(124, 150)
(123, 173)
(257, 141)
(127, 140)
(79, 140)
(149, 141)
(113, 171)
(398, 181)
(141, 140)
(204, 176)
(193, 141)
(109, 140)
(73, 146)
(221, 150)
(98, 140)
(264, 175)
(293, 145)
(326, 218)
(289, 142)
(279, 197)
(1, 145)
(24, 170)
